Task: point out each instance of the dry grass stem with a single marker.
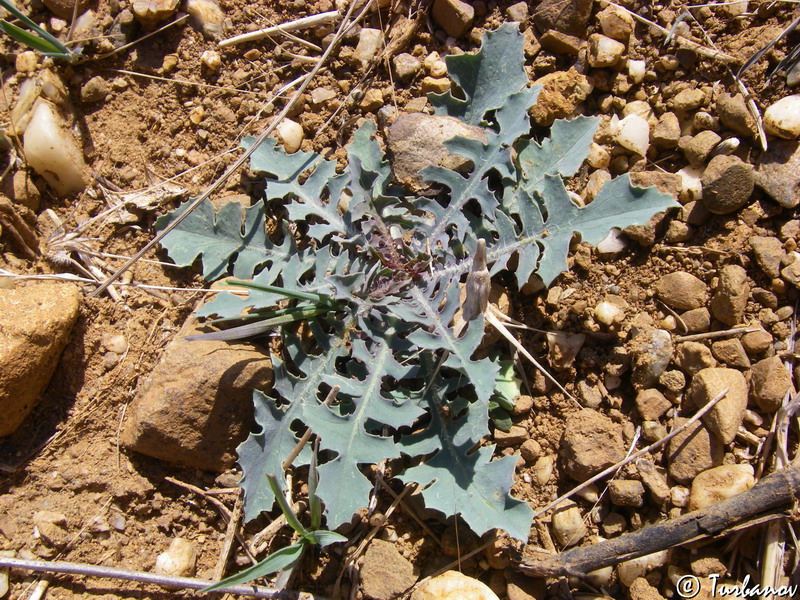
(302, 23)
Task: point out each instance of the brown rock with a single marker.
(769, 382)
(561, 94)
(682, 291)
(697, 320)
(454, 16)
(734, 115)
(386, 573)
(652, 404)
(197, 404)
(720, 483)
(641, 589)
(561, 43)
(776, 172)
(52, 528)
(570, 16)
(513, 437)
(697, 148)
(667, 131)
(21, 189)
(768, 252)
(727, 184)
(691, 357)
(64, 8)
(669, 183)
(756, 342)
(725, 418)
(35, 323)
(692, 451)
(695, 213)
(731, 352)
(591, 442)
(655, 480)
(417, 141)
(730, 299)
(626, 492)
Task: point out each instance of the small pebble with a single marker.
(291, 135)
(783, 118)
(604, 51)
(633, 133)
(179, 560)
(719, 483)
(568, 525)
(212, 60)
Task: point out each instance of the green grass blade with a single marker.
(291, 518)
(277, 290)
(58, 47)
(30, 40)
(325, 538)
(266, 314)
(282, 559)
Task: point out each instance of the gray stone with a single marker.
(35, 323)
(417, 141)
(406, 66)
(776, 172)
(730, 299)
(768, 252)
(727, 184)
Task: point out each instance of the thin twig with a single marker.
(715, 334)
(230, 535)
(310, 21)
(86, 570)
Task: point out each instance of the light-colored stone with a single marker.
(406, 66)
(604, 51)
(370, 42)
(417, 141)
(196, 406)
(179, 560)
(783, 118)
(386, 573)
(720, 483)
(615, 22)
(688, 100)
(631, 570)
(728, 182)
(35, 323)
(652, 351)
(291, 135)
(52, 528)
(52, 150)
(725, 418)
(212, 60)
(692, 451)
(563, 348)
(682, 291)
(568, 525)
(769, 382)
(151, 13)
(655, 480)
(452, 585)
(768, 252)
(207, 16)
(633, 133)
(591, 442)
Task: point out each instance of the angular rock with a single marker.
(566, 16)
(697, 148)
(197, 404)
(386, 573)
(52, 528)
(655, 480)
(730, 299)
(454, 16)
(417, 141)
(769, 382)
(776, 172)
(563, 348)
(615, 22)
(451, 585)
(591, 442)
(561, 43)
(35, 323)
(727, 184)
(693, 451)
(697, 320)
(64, 8)
(731, 353)
(652, 404)
(682, 291)
(562, 93)
(207, 16)
(720, 483)
(768, 252)
(369, 44)
(692, 357)
(518, 12)
(756, 342)
(734, 115)
(688, 100)
(669, 183)
(604, 51)
(652, 352)
(667, 131)
(641, 589)
(724, 419)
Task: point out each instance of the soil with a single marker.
(66, 457)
